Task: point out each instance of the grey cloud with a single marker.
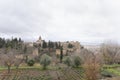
(83, 20)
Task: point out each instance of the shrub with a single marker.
(31, 62)
(67, 61)
(105, 73)
(77, 61)
(45, 60)
(92, 68)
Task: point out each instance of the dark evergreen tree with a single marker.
(56, 45)
(25, 49)
(25, 52)
(2, 43)
(20, 40)
(11, 43)
(44, 45)
(61, 54)
(70, 45)
(50, 44)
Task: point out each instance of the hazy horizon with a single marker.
(86, 21)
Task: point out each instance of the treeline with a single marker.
(14, 43)
(56, 45)
(51, 44)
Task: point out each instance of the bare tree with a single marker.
(92, 68)
(109, 50)
(85, 54)
(17, 62)
(7, 60)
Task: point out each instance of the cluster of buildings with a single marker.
(34, 51)
(66, 50)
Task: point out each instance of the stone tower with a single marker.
(40, 38)
(39, 41)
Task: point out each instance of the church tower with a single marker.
(39, 41)
(40, 38)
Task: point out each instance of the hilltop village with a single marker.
(52, 48)
(33, 50)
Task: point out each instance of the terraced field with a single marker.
(36, 74)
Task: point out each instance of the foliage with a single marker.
(77, 61)
(30, 62)
(44, 45)
(70, 45)
(113, 71)
(61, 54)
(13, 43)
(25, 49)
(45, 60)
(111, 66)
(106, 73)
(50, 44)
(67, 60)
(2, 42)
(57, 45)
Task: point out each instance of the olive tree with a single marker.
(45, 60)
(67, 60)
(77, 61)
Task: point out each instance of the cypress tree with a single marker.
(61, 54)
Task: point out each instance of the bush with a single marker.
(45, 60)
(92, 68)
(31, 62)
(67, 61)
(77, 61)
(105, 73)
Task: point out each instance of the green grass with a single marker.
(12, 68)
(114, 71)
(28, 67)
(2, 68)
(111, 66)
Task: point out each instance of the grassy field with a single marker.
(111, 72)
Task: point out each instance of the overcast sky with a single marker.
(61, 20)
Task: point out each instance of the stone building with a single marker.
(66, 50)
(39, 42)
(58, 52)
